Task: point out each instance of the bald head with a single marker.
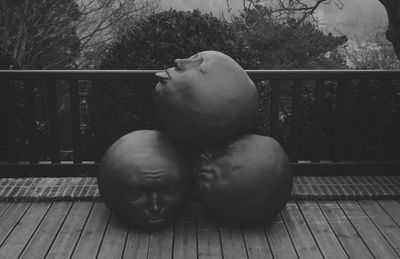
(205, 98)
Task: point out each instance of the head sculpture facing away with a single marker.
(204, 99)
(144, 179)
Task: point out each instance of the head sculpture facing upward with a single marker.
(204, 99)
(144, 179)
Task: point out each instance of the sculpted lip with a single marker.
(163, 75)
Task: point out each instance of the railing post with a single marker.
(75, 120)
(97, 121)
(316, 126)
(382, 131)
(9, 116)
(296, 123)
(274, 110)
(360, 136)
(119, 107)
(30, 121)
(51, 94)
(339, 121)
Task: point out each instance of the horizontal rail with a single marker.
(68, 168)
(150, 74)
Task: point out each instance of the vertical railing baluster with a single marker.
(361, 124)
(316, 126)
(51, 94)
(339, 121)
(119, 108)
(141, 105)
(75, 120)
(9, 120)
(30, 120)
(97, 120)
(296, 125)
(274, 110)
(383, 94)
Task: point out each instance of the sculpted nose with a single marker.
(184, 63)
(154, 203)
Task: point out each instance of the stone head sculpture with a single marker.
(144, 179)
(246, 180)
(204, 99)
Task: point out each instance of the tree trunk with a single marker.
(393, 32)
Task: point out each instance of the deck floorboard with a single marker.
(47, 231)
(304, 229)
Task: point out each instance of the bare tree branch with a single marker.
(30, 30)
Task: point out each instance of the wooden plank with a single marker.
(232, 242)
(75, 120)
(256, 241)
(137, 244)
(67, 237)
(92, 235)
(296, 128)
(392, 208)
(274, 109)
(321, 230)
(114, 239)
(47, 231)
(344, 230)
(9, 119)
(361, 122)
(4, 205)
(316, 126)
(11, 217)
(302, 238)
(26, 227)
(51, 96)
(383, 222)
(30, 121)
(185, 241)
(279, 239)
(208, 238)
(367, 230)
(161, 243)
(339, 121)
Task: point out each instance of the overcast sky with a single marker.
(358, 18)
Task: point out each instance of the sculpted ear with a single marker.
(203, 67)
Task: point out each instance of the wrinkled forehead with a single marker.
(212, 60)
(154, 176)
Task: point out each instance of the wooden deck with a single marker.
(304, 229)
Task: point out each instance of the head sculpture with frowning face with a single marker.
(144, 179)
(204, 99)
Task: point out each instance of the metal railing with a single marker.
(344, 146)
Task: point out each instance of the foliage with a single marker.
(61, 34)
(33, 40)
(288, 44)
(155, 41)
(377, 53)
